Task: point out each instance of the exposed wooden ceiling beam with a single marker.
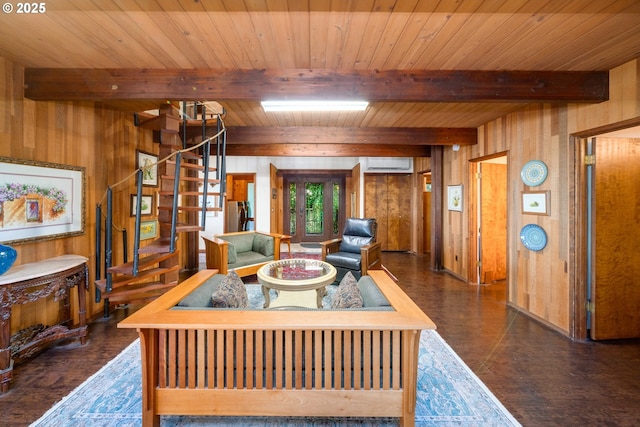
(54, 84)
(329, 150)
(251, 135)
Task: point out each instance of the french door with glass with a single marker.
(313, 207)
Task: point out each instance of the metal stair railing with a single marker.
(174, 212)
(136, 233)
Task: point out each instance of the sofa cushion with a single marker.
(249, 258)
(231, 253)
(263, 244)
(348, 294)
(201, 296)
(243, 241)
(372, 296)
(231, 293)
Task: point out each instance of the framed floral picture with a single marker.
(40, 201)
(149, 164)
(148, 229)
(454, 198)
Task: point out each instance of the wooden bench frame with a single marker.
(217, 253)
(257, 375)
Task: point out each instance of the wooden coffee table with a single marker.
(294, 279)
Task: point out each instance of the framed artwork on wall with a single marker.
(40, 201)
(148, 229)
(146, 204)
(536, 202)
(149, 164)
(454, 198)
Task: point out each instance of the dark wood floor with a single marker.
(543, 378)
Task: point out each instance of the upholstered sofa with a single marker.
(201, 297)
(243, 251)
(261, 362)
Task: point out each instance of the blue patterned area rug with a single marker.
(449, 394)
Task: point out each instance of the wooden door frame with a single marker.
(472, 268)
(578, 234)
(437, 190)
(473, 214)
(578, 225)
(275, 200)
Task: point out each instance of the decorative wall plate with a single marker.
(534, 173)
(533, 237)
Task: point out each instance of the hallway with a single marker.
(541, 377)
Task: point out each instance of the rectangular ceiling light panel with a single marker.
(274, 106)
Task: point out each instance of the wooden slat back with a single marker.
(280, 359)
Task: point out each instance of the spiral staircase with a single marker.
(187, 184)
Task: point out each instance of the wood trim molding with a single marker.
(328, 150)
(252, 135)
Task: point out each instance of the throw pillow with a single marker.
(263, 244)
(348, 294)
(231, 293)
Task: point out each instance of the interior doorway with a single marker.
(240, 202)
(488, 219)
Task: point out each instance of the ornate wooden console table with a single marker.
(30, 282)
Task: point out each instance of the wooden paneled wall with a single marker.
(539, 283)
(102, 141)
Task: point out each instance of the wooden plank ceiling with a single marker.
(432, 70)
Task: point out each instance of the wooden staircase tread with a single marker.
(148, 121)
(161, 245)
(192, 209)
(141, 287)
(188, 193)
(190, 165)
(183, 227)
(170, 131)
(188, 228)
(191, 155)
(158, 246)
(151, 291)
(143, 262)
(126, 279)
(191, 178)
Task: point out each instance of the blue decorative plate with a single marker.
(534, 173)
(533, 237)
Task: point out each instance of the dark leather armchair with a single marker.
(357, 251)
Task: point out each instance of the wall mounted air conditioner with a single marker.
(388, 164)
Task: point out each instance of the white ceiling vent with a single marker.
(388, 164)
